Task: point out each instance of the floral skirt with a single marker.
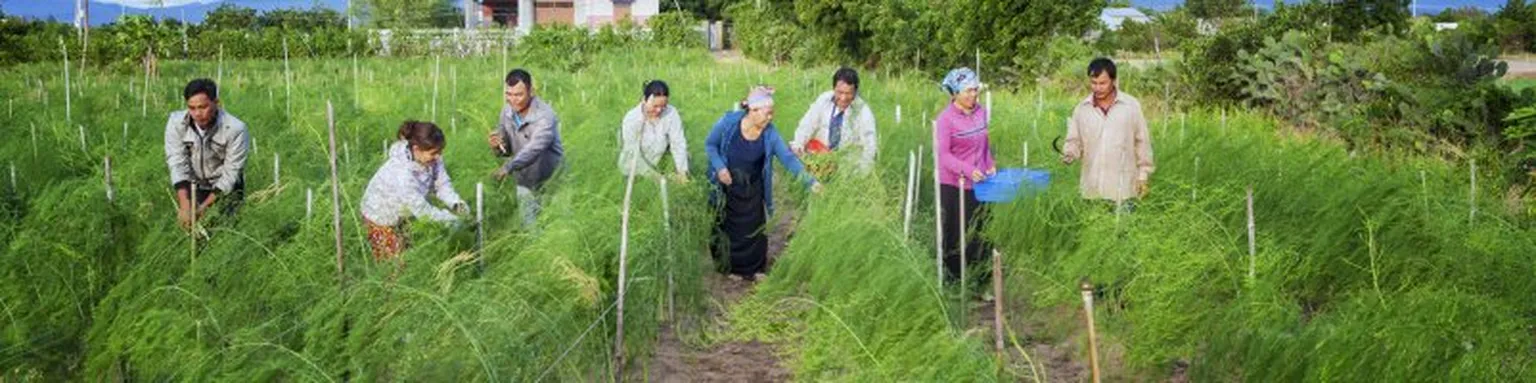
(387, 241)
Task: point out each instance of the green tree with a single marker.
(1215, 9)
(405, 14)
(1515, 25)
(1351, 17)
(230, 16)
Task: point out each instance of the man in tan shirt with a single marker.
(1108, 132)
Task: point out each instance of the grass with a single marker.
(1368, 266)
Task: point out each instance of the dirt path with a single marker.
(677, 361)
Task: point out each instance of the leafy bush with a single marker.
(675, 29)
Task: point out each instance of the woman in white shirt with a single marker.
(650, 130)
(398, 191)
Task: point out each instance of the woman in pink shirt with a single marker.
(965, 158)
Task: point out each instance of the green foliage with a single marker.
(912, 33)
(409, 14)
(675, 29)
(1215, 9)
(1515, 26)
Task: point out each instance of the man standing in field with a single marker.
(1109, 133)
(529, 132)
(838, 119)
(205, 150)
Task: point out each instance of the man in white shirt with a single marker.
(839, 119)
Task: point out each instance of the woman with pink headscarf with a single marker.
(740, 148)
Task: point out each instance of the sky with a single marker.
(104, 11)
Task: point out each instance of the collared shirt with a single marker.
(1114, 146)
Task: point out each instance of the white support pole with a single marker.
(666, 223)
(1252, 242)
(219, 78)
(906, 222)
(480, 220)
(125, 136)
(83, 148)
(1026, 154)
(277, 167)
(330, 118)
(618, 338)
(938, 218)
(898, 114)
(68, 105)
(34, 139)
(437, 70)
(14, 190)
(287, 81)
(106, 177)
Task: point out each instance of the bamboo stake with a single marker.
(964, 292)
(938, 218)
(480, 223)
(68, 105)
(287, 82)
(309, 203)
(330, 119)
(437, 71)
(83, 148)
(1252, 246)
(144, 93)
(1093, 336)
(277, 167)
(106, 178)
(906, 222)
(618, 338)
(666, 222)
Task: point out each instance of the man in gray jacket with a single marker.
(529, 132)
(205, 150)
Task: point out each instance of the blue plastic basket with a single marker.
(1007, 183)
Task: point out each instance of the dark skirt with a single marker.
(741, 244)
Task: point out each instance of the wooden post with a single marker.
(618, 338)
(1093, 336)
(1252, 245)
(330, 119)
(998, 321)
